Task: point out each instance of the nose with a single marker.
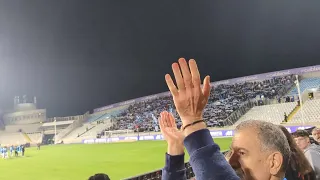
(234, 161)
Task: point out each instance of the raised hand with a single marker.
(171, 133)
(189, 99)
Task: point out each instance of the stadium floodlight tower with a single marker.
(55, 131)
(299, 93)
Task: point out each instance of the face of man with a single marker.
(316, 135)
(248, 156)
(302, 142)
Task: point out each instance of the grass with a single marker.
(78, 162)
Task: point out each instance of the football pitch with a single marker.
(79, 161)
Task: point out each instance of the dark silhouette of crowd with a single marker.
(223, 101)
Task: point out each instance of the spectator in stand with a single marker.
(285, 117)
(99, 176)
(299, 167)
(316, 134)
(311, 151)
(263, 156)
(226, 99)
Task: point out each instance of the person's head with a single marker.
(298, 162)
(99, 176)
(316, 134)
(260, 150)
(302, 139)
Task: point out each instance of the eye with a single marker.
(241, 153)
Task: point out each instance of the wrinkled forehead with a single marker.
(246, 139)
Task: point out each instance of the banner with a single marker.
(214, 134)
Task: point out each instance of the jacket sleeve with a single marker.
(314, 160)
(174, 168)
(207, 162)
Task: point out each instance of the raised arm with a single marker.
(174, 168)
(190, 100)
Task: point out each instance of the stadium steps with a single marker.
(95, 118)
(86, 131)
(293, 112)
(27, 137)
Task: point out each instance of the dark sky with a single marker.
(77, 55)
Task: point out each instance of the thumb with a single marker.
(206, 87)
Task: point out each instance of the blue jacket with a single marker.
(207, 162)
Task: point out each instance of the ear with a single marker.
(275, 163)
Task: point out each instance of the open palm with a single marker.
(169, 129)
(188, 96)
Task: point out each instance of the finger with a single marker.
(178, 76)
(161, 124)
(172, 120)
(206, 87)
(165, 119)
(172, 87)
(186, 73)
(195, 73)
(169, 120)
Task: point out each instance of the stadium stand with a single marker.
(308, 83)
(230, 103)
(28, 128)
(311, 112)
(224, 100)
(273, 113)
(78, 132)
(35, 137)
(96, 130)
(12, 138)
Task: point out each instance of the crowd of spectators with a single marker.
(223, 101)
(259, 149)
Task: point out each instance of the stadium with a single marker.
(123, 139)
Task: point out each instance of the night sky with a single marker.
(77, 55)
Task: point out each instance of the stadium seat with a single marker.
(311, 112)
(272, 113)
(308, 83)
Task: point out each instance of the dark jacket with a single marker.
(207, 162)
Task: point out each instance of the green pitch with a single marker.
(78, 162)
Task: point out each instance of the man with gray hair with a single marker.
(316, 134)
(260, 150)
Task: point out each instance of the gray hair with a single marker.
(315, 129)
(271, 138)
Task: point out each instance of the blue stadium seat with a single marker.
(308, 83)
